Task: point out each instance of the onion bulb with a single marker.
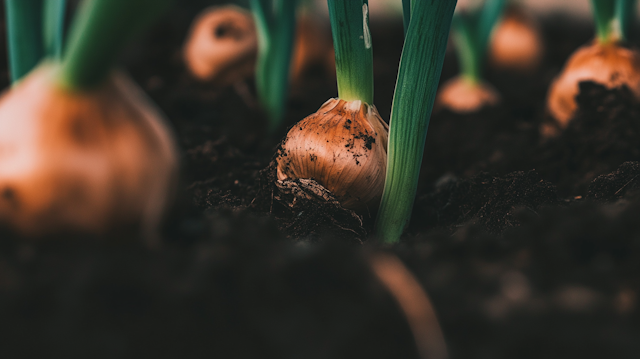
(222, 45)
(608, 64)
(91, 162)
(516, 42)
(463, 96)
(343, 146)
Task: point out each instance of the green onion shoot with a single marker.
(275, 22)
(418, 77)
(471, 31)
(34, 31)
(53, 28)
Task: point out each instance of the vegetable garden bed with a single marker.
(527, 247)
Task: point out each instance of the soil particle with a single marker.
(368, 140)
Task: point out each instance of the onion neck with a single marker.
(99, 31)
(353, 48)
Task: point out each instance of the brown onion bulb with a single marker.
(516, 43)
(222, 45)
(610, 65)
(87, 162)
(343, 146)
(462, 96)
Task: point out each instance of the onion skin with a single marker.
(343, 146)
(462, 96)
(224, 60)
(92, 162)
(222, 45)
(516, 43)
(608, 64)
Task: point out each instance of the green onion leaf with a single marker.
(275, 24)
(489, 15)
(99, 31)
(604, 13)
(24, 31)
(53, 27)
(464, 41)
(353, 48)
(418, 77)
(625, 13)
(406, 14)
(472, 34)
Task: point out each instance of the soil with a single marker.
(528, 248)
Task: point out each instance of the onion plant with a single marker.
(606, 61)
(34, 30)
(418, 77)
(275, 24)
(471, 31)
(89, 152)
(343, 145)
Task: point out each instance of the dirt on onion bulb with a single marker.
(88, 162)
(343, 146)
(609, 64)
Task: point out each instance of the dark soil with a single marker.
(529, 248)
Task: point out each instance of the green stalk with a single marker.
(24, 32)
(604, 13)
(406, 15)
(418, 77)
(53, 27)
(472, 33)
(625, 14)
(469, 58)
(489, 16)
(99, 31)
(275, 24)
(353, 48)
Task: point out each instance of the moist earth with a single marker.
(528, 247)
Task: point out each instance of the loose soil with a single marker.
(529, 248)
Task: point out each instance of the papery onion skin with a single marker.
(516, 43)
(462, 96)
(343, 146)
(88, 162)
(222, 45)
